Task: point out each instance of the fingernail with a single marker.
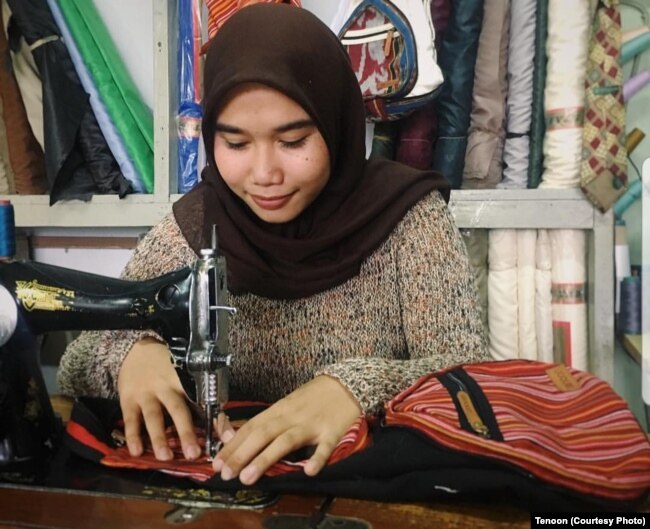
(192, 452)
(227, 435)
(248, 475)
(217, 464)
(226, 473)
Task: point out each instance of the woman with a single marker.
(349, 276)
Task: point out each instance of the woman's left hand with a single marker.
(316, 414)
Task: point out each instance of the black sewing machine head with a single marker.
(183, 307)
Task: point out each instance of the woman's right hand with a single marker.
(148, 385)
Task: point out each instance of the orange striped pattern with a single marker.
(221, 10)
(584, 439)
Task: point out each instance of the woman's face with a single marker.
(270, 153)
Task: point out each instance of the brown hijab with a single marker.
(291, 50)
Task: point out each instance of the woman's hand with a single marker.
(148, 385)
(316, 414)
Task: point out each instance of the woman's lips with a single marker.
(271, 203)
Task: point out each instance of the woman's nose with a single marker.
(267, 169)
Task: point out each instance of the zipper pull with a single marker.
(472, 415)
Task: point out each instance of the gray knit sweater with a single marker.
(412, 309)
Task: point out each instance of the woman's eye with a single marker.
(294, 144)
(236, 146)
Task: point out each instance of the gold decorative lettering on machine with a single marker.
(34, 296)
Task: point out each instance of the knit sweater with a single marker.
(412, 309)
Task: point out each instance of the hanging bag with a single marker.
(391, 48)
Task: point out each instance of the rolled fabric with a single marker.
(526, 267)
(24, 153)
(6, 176)
(635, 84)
(569, 23)
(537, 121)
(28, 79)
(502, 294)
(519, 102)
(484, 155)
(111, 135)
(132, 118)
(454, 102)
(543, 302)
(569, 297)
(476, 241)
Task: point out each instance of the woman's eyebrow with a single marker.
(292, 125)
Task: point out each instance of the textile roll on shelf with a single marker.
(569, 297)
(537, 120)
(23, 157)
(483, 158)
(454, 101)
(110, 132)
(521, 53)
(78, 161)
(526, 286)
(543, 298)
(27, 77)
(476, 242)
(132, 118)
(567, 44)
(502, 294)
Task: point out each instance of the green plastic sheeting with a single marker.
(131, 116)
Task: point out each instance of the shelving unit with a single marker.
(484, 209)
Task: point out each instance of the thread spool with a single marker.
(7, 230)
(629, 319)
(633, 139)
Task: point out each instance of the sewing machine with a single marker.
(185, 307)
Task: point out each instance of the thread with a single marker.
(633, 139)
(7, 230)
(629, 319)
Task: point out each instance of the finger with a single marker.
(224, 428)
(247, 443)
(132, 424)
(182, 418)
(155, 424)
(319, 459)
(281, 446)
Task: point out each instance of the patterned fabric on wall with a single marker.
(603, 176)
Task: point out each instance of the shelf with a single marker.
(531, 208)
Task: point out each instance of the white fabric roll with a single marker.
(543, 307)
(521, 53)
(526, 242)
(569, 303)
(569, 24)
(502, 294)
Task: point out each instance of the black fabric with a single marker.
(77, 158)
(399, 465)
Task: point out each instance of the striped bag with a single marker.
(542, 436)
(565, 427)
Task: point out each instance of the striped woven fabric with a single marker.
(564, 426)
(221, 10)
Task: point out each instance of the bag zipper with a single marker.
(469, 409)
